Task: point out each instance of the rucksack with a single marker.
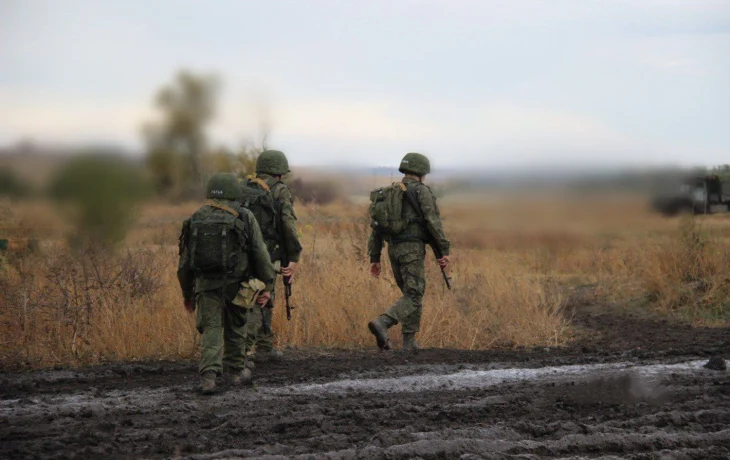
(258, 199)
(386, 209)
(216, 234)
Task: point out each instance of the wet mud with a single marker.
(628, 388)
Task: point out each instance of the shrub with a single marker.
(11, 185)
(102, 190)
(321, 192)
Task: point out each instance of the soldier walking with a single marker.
(221, 247)
(408, 221)
(264, 194)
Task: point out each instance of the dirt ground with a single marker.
(630, 387)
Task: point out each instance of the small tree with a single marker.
(222, 159)
(177, 143)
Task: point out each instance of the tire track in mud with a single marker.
(633, 389)
(609, 409)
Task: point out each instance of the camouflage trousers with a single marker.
(408, 262)
(255, 334)
(222, 327)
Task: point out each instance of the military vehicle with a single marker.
(706, 194)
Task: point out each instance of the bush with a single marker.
(102, 190)
(11, 185)
(68, 307)
(321, 192)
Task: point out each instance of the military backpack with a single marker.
(218, 241)
(386, 209)
(258, 199)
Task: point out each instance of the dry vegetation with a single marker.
(519, 266)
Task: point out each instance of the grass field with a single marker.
(520, 264)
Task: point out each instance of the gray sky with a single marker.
(468, 82)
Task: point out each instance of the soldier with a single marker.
(282, 240)
(407, 251)
(221, 246)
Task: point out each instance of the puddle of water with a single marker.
(468, 379)
(437, 379)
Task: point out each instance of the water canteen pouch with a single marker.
(257, 198)
(386, 209)
(215, 240)
(248, 292)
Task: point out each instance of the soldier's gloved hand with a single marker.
(189, 305)
(443, 262)
(375, 268)
(289, 270)
(263, 298)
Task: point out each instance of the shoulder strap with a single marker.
(410, 193)
(223, 207)
(260, 182)
(276, 188)
(249, 245)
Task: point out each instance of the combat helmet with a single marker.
(272, 162)
(223, 186)
(415, 163)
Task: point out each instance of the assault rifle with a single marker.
(264, 325)
(287, 293)
(413, 200)
(283, 263)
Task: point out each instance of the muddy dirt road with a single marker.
(632, 388)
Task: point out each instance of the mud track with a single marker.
(631, 388)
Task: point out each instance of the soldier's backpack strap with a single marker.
(223, 207)
(260, 182)
(412, 197)
(238, 215)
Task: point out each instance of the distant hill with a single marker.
(36, 164)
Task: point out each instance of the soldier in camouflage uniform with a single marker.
(271, 165)
(210, 291)
(407, 252)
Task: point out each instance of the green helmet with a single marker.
(272, 162)
(415, 163)
(223, 186)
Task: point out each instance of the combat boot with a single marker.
(243, 377)
(207, 382)
(409, 343)
(248, 363)
(379, 328)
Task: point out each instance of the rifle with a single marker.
(410, 195)
(283, 263)
(264, 325)
(287, 294)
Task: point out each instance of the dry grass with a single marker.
(516, 264)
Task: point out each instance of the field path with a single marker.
(630, 388)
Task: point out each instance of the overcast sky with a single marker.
(469, 82)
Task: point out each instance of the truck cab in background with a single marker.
(698, 194)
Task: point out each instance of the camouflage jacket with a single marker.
(289, 234)
(431, 230)
(259, 261)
